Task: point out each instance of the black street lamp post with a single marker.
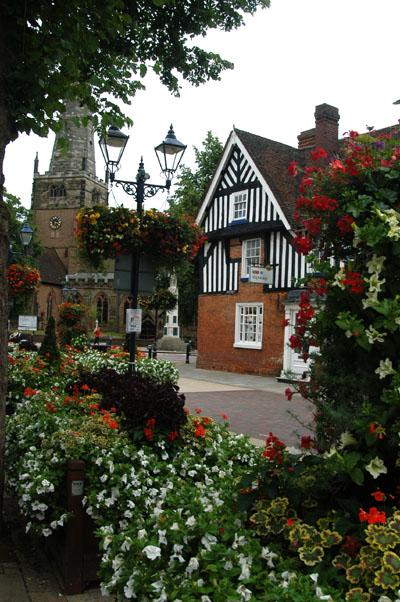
(169, 154)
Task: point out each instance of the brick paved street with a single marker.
(255, 413)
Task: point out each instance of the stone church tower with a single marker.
(57, 195)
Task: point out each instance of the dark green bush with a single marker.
(49, 348)
(137, 400)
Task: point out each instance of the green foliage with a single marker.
(46, 58)
(191, 185)
(162, 300)
(49, 349)
(19, 215)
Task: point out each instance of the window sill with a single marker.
(248, 345)
(235, 222)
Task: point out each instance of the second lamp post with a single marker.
(169, 154)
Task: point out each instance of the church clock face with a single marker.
(55, 222)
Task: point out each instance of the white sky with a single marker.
(289, 58)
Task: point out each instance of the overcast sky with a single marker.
(288, 58)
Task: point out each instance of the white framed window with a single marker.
(238, 206)
(251, 255)
(249, 325)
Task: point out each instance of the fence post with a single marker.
(155, 350)
(74, 529)
(149, 351)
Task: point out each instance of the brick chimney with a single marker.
(327, 128)
(325, 133)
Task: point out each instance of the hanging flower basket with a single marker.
(106, 233)
(162, 300)
(22, 280)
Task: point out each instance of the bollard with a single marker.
(188, 349)
(73, 566)
(149, 351)
(155, 350)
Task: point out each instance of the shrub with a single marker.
(142, 403)
(49, 348)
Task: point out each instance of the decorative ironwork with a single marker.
(131, 188)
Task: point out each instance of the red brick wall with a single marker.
(216, 333)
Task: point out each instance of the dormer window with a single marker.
(239, 206)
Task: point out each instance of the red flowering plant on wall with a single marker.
(22, 279)
(106, 233)
(349, 229)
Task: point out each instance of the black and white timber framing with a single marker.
(265, 219)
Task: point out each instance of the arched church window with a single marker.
(53, 191)
(62, 192)
(102, 309)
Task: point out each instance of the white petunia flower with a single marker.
(376, 467)
(244, 592)
(374, 335)
(375, 265)
(192, 566)
(152, 552)
(208, 541)
(385, 368)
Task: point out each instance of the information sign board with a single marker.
(27, 322)
(133, 320)
(261, 275)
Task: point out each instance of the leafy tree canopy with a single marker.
(19, 215)
(51, 50)
(192, 184)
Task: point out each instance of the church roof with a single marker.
(51, 268)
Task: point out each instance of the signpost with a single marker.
(261, 275)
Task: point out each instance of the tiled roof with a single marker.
(272, 160)
(51, 268)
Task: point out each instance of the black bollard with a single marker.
(188, 349)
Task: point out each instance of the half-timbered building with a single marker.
(249, 266)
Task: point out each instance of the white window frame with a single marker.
(249, 325)
(253, 259)
(238, 199)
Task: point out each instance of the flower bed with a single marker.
(185, 510)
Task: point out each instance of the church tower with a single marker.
(69, 184)
(57, 195)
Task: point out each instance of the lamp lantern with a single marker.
(112, 147)
(26, 234)
(169, 154)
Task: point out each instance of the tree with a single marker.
(19, 215)
(84, 50)
(192, 185)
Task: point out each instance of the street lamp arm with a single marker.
(149, 190)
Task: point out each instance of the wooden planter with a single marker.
(75, 549)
